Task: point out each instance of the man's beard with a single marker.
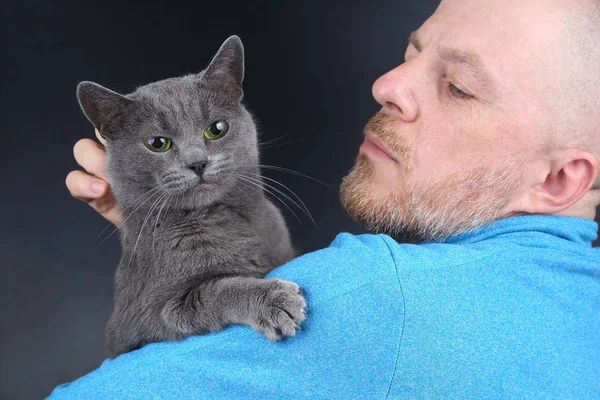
(423, 211)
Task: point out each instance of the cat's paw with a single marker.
(279, 309)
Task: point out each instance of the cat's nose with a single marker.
(198, 167)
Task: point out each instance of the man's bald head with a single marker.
(570, 74)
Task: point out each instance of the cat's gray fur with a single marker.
(196, 250)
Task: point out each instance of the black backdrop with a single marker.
(310, 67)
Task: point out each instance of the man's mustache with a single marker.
(385, 128)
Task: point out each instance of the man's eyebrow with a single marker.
(470, 59)
(467, 58)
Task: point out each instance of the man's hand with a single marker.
(92, 187)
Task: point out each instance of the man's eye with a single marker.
(456, 92)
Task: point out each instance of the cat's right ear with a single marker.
(226, 69)
(103, 107)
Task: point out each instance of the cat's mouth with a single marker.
(182, 185)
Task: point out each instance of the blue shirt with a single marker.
(511, 311)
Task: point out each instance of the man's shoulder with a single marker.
(358, 258)
(349, 262)
(347, 252)
(346, 348)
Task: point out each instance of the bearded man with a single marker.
(479, 180)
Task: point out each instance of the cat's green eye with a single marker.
(158, 144)
(216, 130)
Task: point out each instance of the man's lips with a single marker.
(373, 145)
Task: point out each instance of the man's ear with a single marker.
(226, 69)
(569, 175)
(103, 107)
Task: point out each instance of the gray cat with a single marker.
(199, 234)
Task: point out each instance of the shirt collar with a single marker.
(577, 230)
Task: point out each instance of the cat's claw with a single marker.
(280, 310)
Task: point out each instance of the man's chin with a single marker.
(397, 223)
(356, 191)
(415, 211)
(378, 218)
(366, 205)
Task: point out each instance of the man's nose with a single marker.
(393, 91)
(198, 167)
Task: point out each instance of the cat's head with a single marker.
(187, 137)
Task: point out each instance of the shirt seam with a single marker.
(404, 303)
(403, 320)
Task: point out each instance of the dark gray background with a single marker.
(310, 67)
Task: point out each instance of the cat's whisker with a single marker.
(142, 228)
(133, 212)
(168, 199)
(244, 193)
(231, 171)
(282, 194)
(247, 179)
(303, 208)
(176, 201)
(268, 146)
(218, 171)
(273, 140)
(290, 171)
(123, 211)
(253, 186)
(218, 163)
(220, 166)
(218, 157)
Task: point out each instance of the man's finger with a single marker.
(107, 207)
(85, 186)
(100, 138)
(91, 156)
(82, 186)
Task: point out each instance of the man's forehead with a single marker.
(509, 36)
(501, 21)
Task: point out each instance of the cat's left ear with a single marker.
(103, 107)
(227, 66)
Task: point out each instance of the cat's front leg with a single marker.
(273, 307)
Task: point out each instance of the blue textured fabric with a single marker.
(509, 312)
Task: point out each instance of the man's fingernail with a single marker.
(97, 187)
